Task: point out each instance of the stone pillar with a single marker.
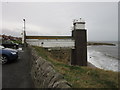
(79, 54)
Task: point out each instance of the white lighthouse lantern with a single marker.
(79, 24)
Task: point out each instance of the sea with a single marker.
(102, 56)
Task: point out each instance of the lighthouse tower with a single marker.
(79, 54)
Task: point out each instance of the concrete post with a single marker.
(25, 44)
(24, 35)
(79, 54)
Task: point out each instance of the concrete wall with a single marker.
(44, 74)
(51, 42)
(79, 54)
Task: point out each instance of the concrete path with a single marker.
(17, 74)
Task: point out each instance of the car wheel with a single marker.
(4, 59)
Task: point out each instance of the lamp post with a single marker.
(24, 24)
(24, 33)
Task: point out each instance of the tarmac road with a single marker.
(0, 76)
(17, 74)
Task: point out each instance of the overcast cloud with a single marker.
(52, 18)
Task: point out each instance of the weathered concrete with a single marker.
(44, 74)
(79, 54)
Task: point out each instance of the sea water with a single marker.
(102, 56)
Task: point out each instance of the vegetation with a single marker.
(81, 77)
(14, 41)
(17, 41)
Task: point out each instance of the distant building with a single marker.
(5, 37)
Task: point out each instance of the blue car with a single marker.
(7, 55)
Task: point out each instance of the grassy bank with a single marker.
(79, 77)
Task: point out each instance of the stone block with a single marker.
(56, 78)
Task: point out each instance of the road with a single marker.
(0, 76)
(17, 74)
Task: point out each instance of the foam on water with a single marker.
(101, 61)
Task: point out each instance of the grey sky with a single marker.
(52, 18)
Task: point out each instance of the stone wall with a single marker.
(44, 74)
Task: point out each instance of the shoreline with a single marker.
(91, 65)
(100, 43)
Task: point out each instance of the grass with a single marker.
(79, 76)
(17, 41)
